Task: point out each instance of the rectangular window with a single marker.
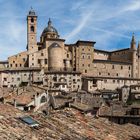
(83, 56)
(67, 55)
(39, 61)
(46, 61)
(112, 66)
(94, 81)
(55, 78)
(88, 56)
(18, 79)
(5, 79)
(78, 80)
(12, 79)
(42, 54)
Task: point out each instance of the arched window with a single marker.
(32, 28)
(43, 99)
(32, 20)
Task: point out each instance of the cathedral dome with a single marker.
(49, 29)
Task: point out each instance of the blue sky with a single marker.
(108, 22)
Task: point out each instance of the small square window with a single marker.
(83, 56)
(67, 55)
(88, 56)
(42, 54)
(18, 79)
(5, 79)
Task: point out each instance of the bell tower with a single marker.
(31, 31)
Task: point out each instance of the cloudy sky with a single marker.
(108, 22)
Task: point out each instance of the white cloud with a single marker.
(82, 23)
(133, 6)
(111, 33)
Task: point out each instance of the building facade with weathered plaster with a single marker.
(52, 54)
